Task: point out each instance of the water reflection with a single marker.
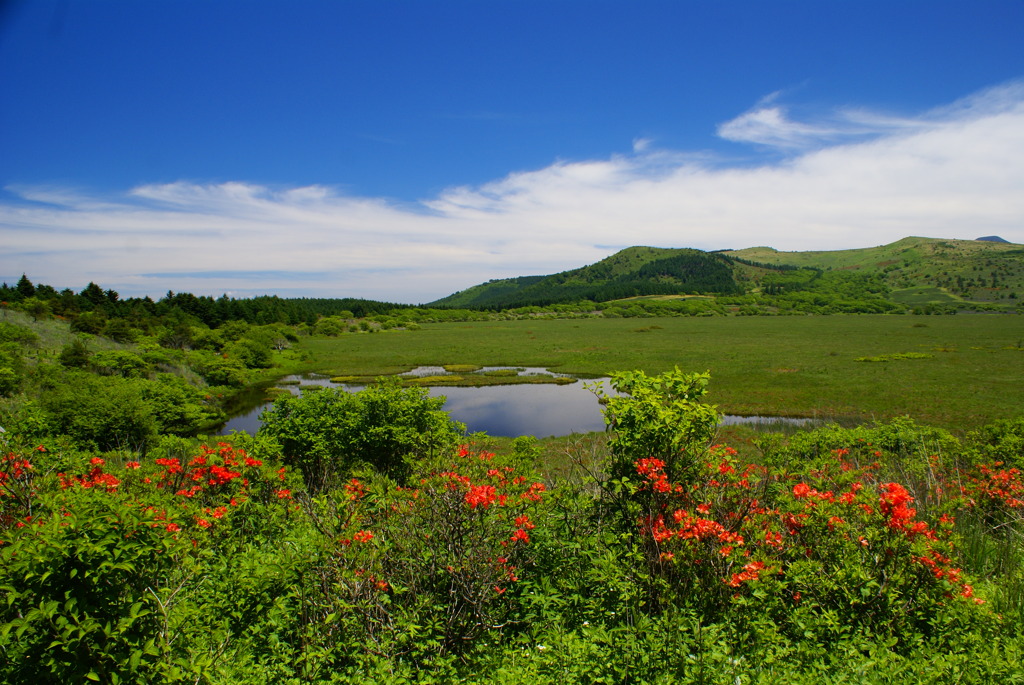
(513, 410)
(501, 410)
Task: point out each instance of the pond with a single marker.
(541, 410)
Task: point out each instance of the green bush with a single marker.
(103, 412)
(75, 355)
(178, 407)
(119, 362)
(327, 432)
(217, 369)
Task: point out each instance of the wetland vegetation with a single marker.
(362, 536)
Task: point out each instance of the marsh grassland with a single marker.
(957, 372)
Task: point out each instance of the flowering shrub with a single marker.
(835, 539)
(446, 550)
(841, 551)
(95, 566)
(996, 493)
(659, 417)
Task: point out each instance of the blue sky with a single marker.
(406, 150)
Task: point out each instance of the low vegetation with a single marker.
(362, 539)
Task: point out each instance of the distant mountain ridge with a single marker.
(981, 270)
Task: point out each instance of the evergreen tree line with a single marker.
(93, 307)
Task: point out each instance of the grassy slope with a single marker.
(53, 334)
(921, 270)
(760, 365)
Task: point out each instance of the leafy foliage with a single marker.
(327, 433)
(872, 554)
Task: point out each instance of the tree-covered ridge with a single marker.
(633, 272)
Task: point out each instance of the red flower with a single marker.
(649, 466)
(481, 495)
(354, 489)
(533, 492)
(525, 522)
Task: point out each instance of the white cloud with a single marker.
(771, 126)
(852, 178)
(641, 144)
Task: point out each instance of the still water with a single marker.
(541, 410)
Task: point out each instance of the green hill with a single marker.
(632, 272)
(919, 270)
(912, 272)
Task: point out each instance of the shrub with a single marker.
(434, 565)
(120, 570)
(327, 432)
(103, 412)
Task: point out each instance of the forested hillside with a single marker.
(633, 272)
(914, 273)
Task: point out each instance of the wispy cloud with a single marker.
(770, 124)
(849, 178)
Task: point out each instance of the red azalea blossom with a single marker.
(524, 522)
(533, 492)
(750, 572)
(481, 496)
(355, 489)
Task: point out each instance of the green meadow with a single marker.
(957, 372)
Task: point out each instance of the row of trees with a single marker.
(97, 306)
